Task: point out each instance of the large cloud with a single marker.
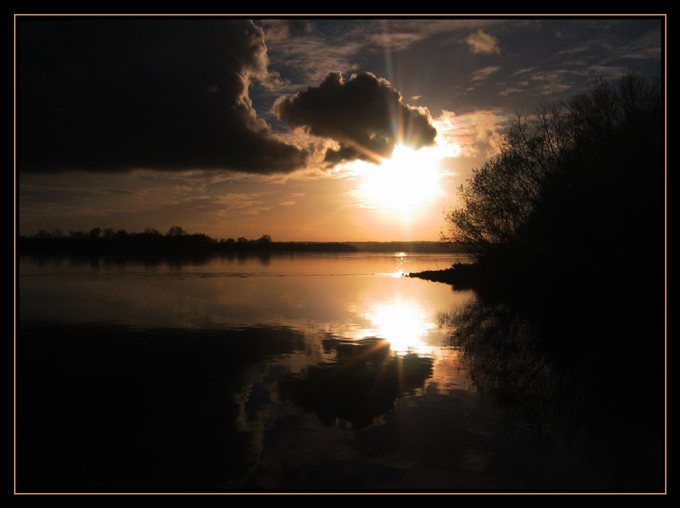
(364, 115)
(118, 94)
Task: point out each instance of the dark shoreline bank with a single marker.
(460, 275)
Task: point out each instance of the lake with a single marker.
(331, 373)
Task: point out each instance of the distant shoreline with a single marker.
(200, 245)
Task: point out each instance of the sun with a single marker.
(405, 183)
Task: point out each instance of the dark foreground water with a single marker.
(315, 373)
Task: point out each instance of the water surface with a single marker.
(291, 373)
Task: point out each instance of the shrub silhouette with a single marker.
(576, 183)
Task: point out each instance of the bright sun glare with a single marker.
(403, 183)
(402, 323)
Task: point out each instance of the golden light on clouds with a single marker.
(470, 134)
(481, 42)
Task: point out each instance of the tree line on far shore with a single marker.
(152, 242)
(177, 241)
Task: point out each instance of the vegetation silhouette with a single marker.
(570, 377)
(151, 242)
(179, 242)
(576, 194)
(565, 229)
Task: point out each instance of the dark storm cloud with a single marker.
(365, 115)
(168, 94)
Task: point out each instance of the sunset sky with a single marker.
(315, 129)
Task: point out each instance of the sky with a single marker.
(303, 129)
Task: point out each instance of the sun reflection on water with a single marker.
(403, 324)
(402, 260)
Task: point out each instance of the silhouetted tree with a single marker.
(587, 172)
(176, 231)
(121, 234)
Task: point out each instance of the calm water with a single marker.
(295, 373)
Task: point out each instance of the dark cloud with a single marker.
(365, 115)
(118, 94)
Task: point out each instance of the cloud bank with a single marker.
(109, 94)
(365, 116)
